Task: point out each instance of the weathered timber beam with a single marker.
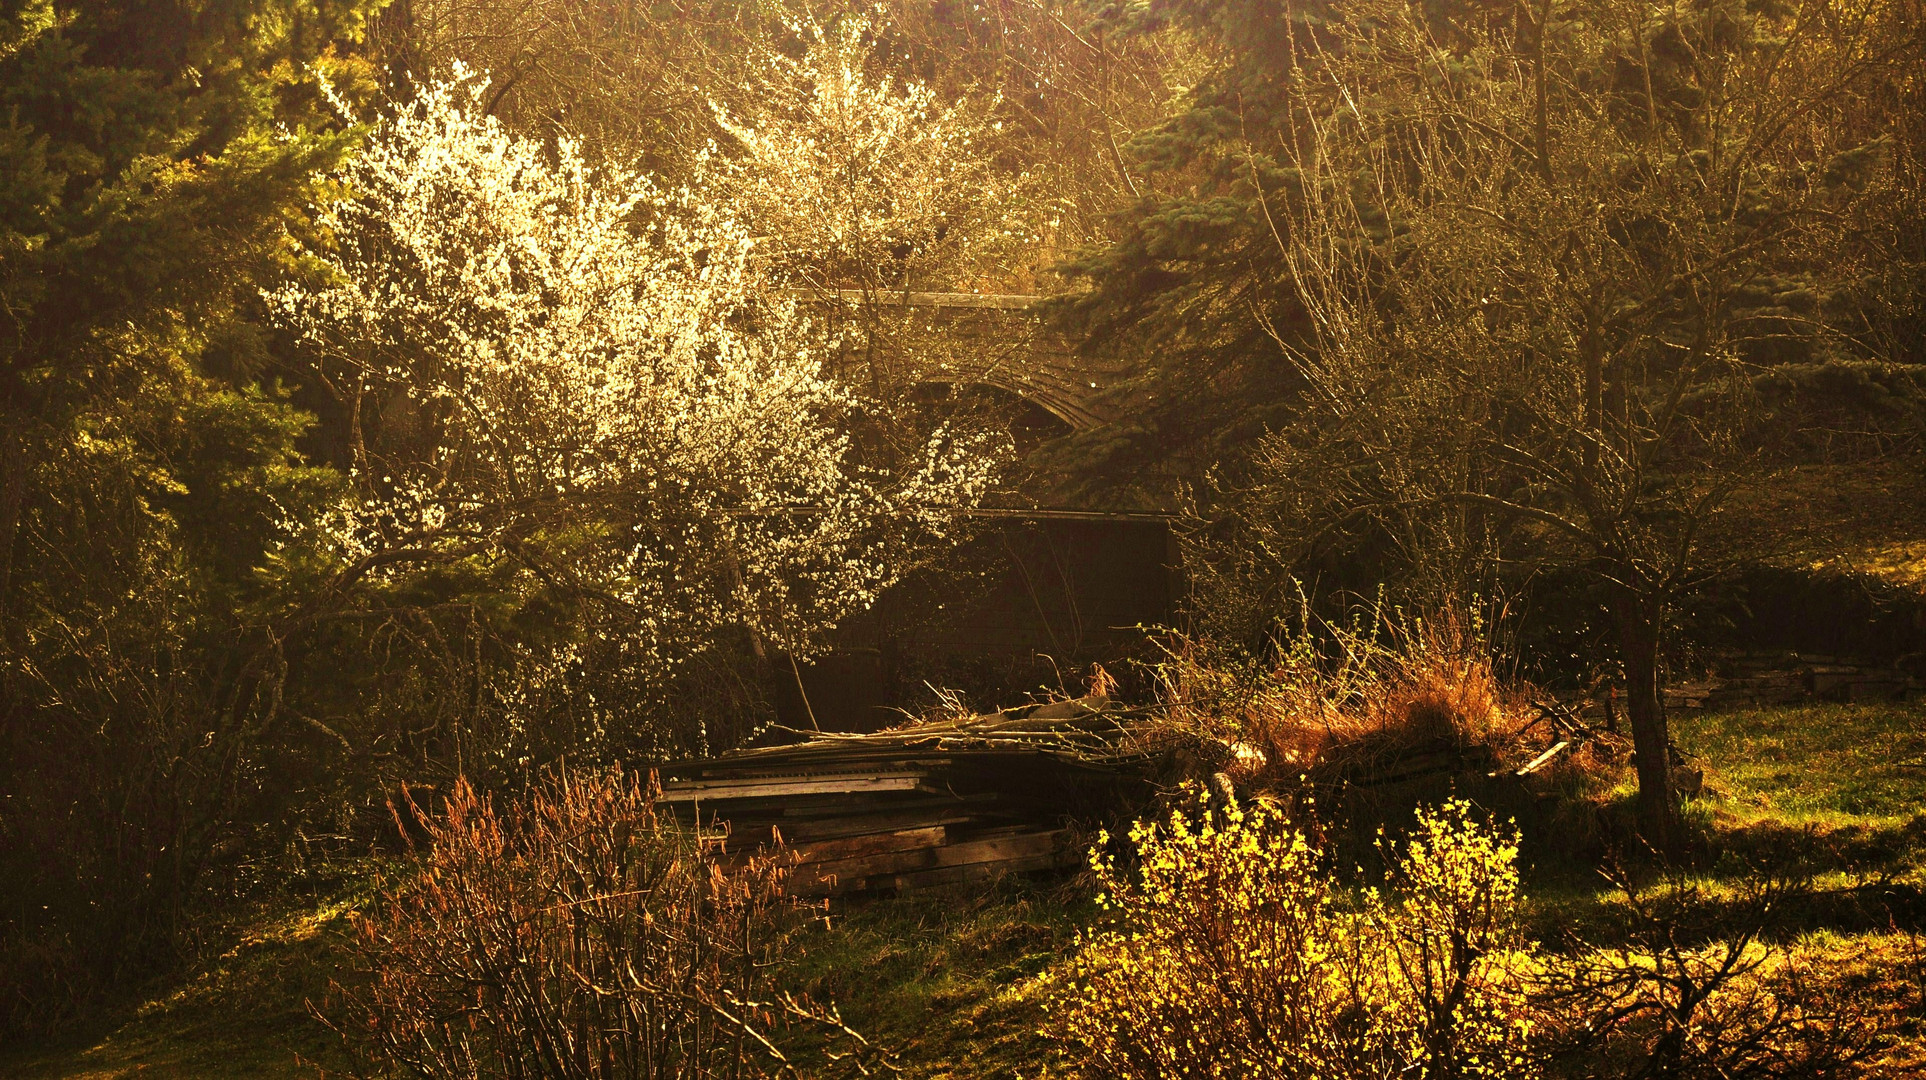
(717, 790)
(932, 857)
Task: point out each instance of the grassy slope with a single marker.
(1866, 517)
(1831, 766)
(1836, 791)
(243, 1016)
(943, 977)
(1844, 788)
(950, 979)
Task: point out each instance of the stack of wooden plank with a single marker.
(939, 803)
(1749, 680)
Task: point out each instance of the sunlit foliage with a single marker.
(856, 179)
(1234, 953)
(606, 392)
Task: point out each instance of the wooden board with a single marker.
(807, 818)
(876, 844)
(800, 765)
(853, 847)
(719, 790)
(805, 832)
(745, 836)
(845, 807)
(946, 801)
(968, 875)
(832, 872)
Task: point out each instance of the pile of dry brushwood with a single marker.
(934, 803)
(968, 799)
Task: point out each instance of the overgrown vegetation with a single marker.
(1525, 287)
(1824, 977)
(578, 935)
(1237, 955)
(1333, 691)
(413, 410)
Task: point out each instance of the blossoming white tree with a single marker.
(598, 392)
(857, 180)
(861, 185)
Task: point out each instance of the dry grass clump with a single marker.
(1342, 701)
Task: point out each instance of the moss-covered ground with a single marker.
(243, 1014)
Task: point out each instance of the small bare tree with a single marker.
(1525, 237)
(628, 80)
(861, 186)
(854, 178)
(1694, 986)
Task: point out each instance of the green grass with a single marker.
(1826, 765)
(949, 980)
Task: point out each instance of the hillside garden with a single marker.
(430, 429)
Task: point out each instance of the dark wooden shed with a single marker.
(1031, 602)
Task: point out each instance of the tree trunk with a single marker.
(1638, 636)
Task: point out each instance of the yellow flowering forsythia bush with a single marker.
(1231, 954)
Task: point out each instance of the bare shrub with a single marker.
(1693, 988)
(1233, 954)
(579, 935)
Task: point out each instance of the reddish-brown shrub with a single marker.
(578, 934)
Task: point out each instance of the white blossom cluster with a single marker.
(851, 179)
(607, 392)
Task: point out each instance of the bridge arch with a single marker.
(1031, 422)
